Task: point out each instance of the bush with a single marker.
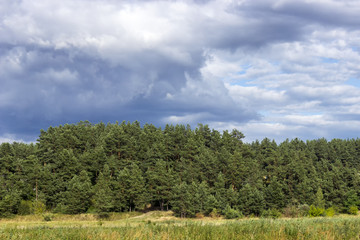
(353, 210)
(47, 217)
(231, 213)
(291, 211)
(330, 212)
(271, 213)
(316, 212)
(214, 213)
(303, 210)
(25, 207)
(60, 208)
(38, 207)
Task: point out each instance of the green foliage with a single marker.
(230, 213)
(330, 212)
(131, 185)
(103, 197)
(183, 201)
(47, 217)
(160, 181)
(271, 213)
(38, 207)
(316, 212)
(25, 207)
(78, 194)
(210, 204)
(353, 210)
(292, 211)
(274, 195)
(9, 204)
(251, 200)
(214, 213)
(84, 167)
(319, 199)
(352, 199)
(303, 210)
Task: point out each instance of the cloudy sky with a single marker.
(270, 68)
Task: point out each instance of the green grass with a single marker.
(162, 225)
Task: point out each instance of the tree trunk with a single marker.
(162, 205)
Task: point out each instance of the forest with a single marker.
(102, 168)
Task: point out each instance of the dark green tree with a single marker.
(251, 200)
(103, 195)
(78, 195)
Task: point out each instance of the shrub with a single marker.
(353, 210)
(60, 208)
(214, 213)
(271, 213)
(47, 217)
(25, 207)
(330, 212)
(231, 213)
(303, 210)
(291, 211)
(316, 212)
(38, 207)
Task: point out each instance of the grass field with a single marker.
(162, 225)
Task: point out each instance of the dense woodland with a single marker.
(119, 167)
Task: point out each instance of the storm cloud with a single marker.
(277, 69)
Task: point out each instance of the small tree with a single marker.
(78, 194)
(9, 204)
(251, 200)
(352, 199)
(25, 207)
(319, 199)
(103, 197)
(182, 203)
(210, 204)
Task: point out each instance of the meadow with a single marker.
(163, 225)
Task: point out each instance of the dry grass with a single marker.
(163, 225)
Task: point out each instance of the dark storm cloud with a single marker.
(57, 86)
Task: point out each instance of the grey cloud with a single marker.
(97, 90)
(326, 13)
(341, 14)
(142, 60)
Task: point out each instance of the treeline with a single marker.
(118, 167)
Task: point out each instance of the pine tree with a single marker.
(103, 195)
(132, 186)
(182, 201)
(159, 183)
(274, 195)
(319, 199)
(251, 200)
(220, 191)
(78, 194)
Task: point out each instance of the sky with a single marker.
(269, 68)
